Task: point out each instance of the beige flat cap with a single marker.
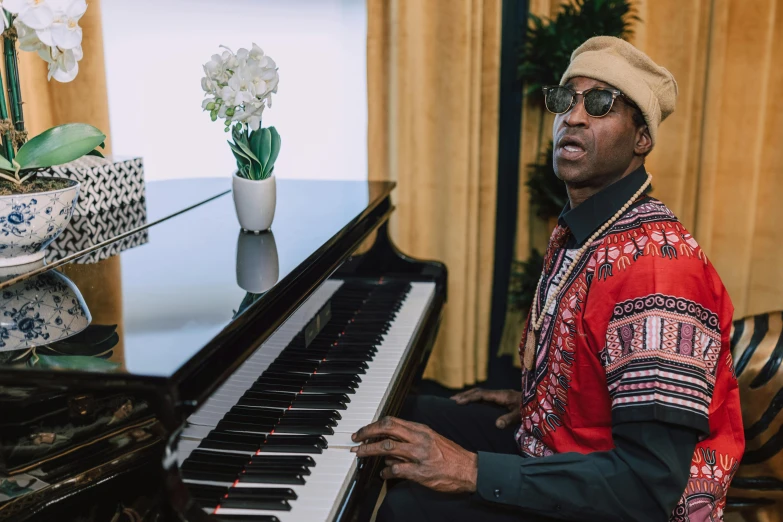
(618, 63)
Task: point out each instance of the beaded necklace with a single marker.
(535, 322)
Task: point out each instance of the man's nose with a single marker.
(577, 115)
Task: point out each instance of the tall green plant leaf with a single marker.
(59, 145)
(273, 153)
(262, 144)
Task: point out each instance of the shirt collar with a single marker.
(596, 210)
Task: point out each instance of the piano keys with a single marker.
(251, 379)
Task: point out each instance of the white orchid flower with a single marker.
(65, 32)
(256, 53)
(36, 14)
(243, 82)
(65, 64)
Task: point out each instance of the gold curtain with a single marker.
(718, 163)
(84, 100)
(433, 92)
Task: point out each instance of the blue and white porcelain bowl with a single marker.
(40, 310)
(30, 222)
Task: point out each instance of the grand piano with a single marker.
(204, 373)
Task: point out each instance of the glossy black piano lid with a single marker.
(200, 292)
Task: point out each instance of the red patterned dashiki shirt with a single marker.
(639, 332)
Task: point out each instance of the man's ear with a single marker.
(644, 143)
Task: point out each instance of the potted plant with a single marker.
(238, 87)
(35, 208)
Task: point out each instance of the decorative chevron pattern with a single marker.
(87, 230)
(106, 184)
(111, 202)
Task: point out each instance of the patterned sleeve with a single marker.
(662, 342)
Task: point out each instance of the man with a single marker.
(629, 408)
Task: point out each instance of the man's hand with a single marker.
(415, 452)
(511, 399)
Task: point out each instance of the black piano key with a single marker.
(259, 503)
(304, 448)
(286, 413)
(217, 467)
(311, 377)
(300, 460)
(280, 493)
(214, 475)
(338, 370)
(263, 403)
(206, 492)
(292, 428)
(231, 424)
(304, 429)
(229, 440)
(272, 477)
(305, 404)
(326, 388)
(302, 402)
(214, 456)
(305, 388)
(294, 366)
(285, 440)
(276, 386)
(245, 518)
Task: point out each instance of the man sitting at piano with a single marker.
(629, 408)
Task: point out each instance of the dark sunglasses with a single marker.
(598, 100)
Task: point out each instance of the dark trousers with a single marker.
(471, 426)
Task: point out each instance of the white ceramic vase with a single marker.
(255, 202)
(258, 267)
(30, 222)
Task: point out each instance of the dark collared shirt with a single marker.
(645, 474)
(596, 210)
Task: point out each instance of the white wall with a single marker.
(154, 53)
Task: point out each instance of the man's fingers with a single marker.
(472, 395)
(385, 448)
(509, 419)
(402, 470)
(388, 427)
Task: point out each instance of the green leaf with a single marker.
(5, 164)
(239, 155)
(59, 145)
(256, 144)
(274, 152)
(255, 163)
(264, 144)
(74, 362)
(95, 152)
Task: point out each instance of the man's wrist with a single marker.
(472, 473)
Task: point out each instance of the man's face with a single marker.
(593, 151)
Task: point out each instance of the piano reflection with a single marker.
(203, 373)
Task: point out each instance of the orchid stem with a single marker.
(12, 77)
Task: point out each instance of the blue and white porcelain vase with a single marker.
(30, 222)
